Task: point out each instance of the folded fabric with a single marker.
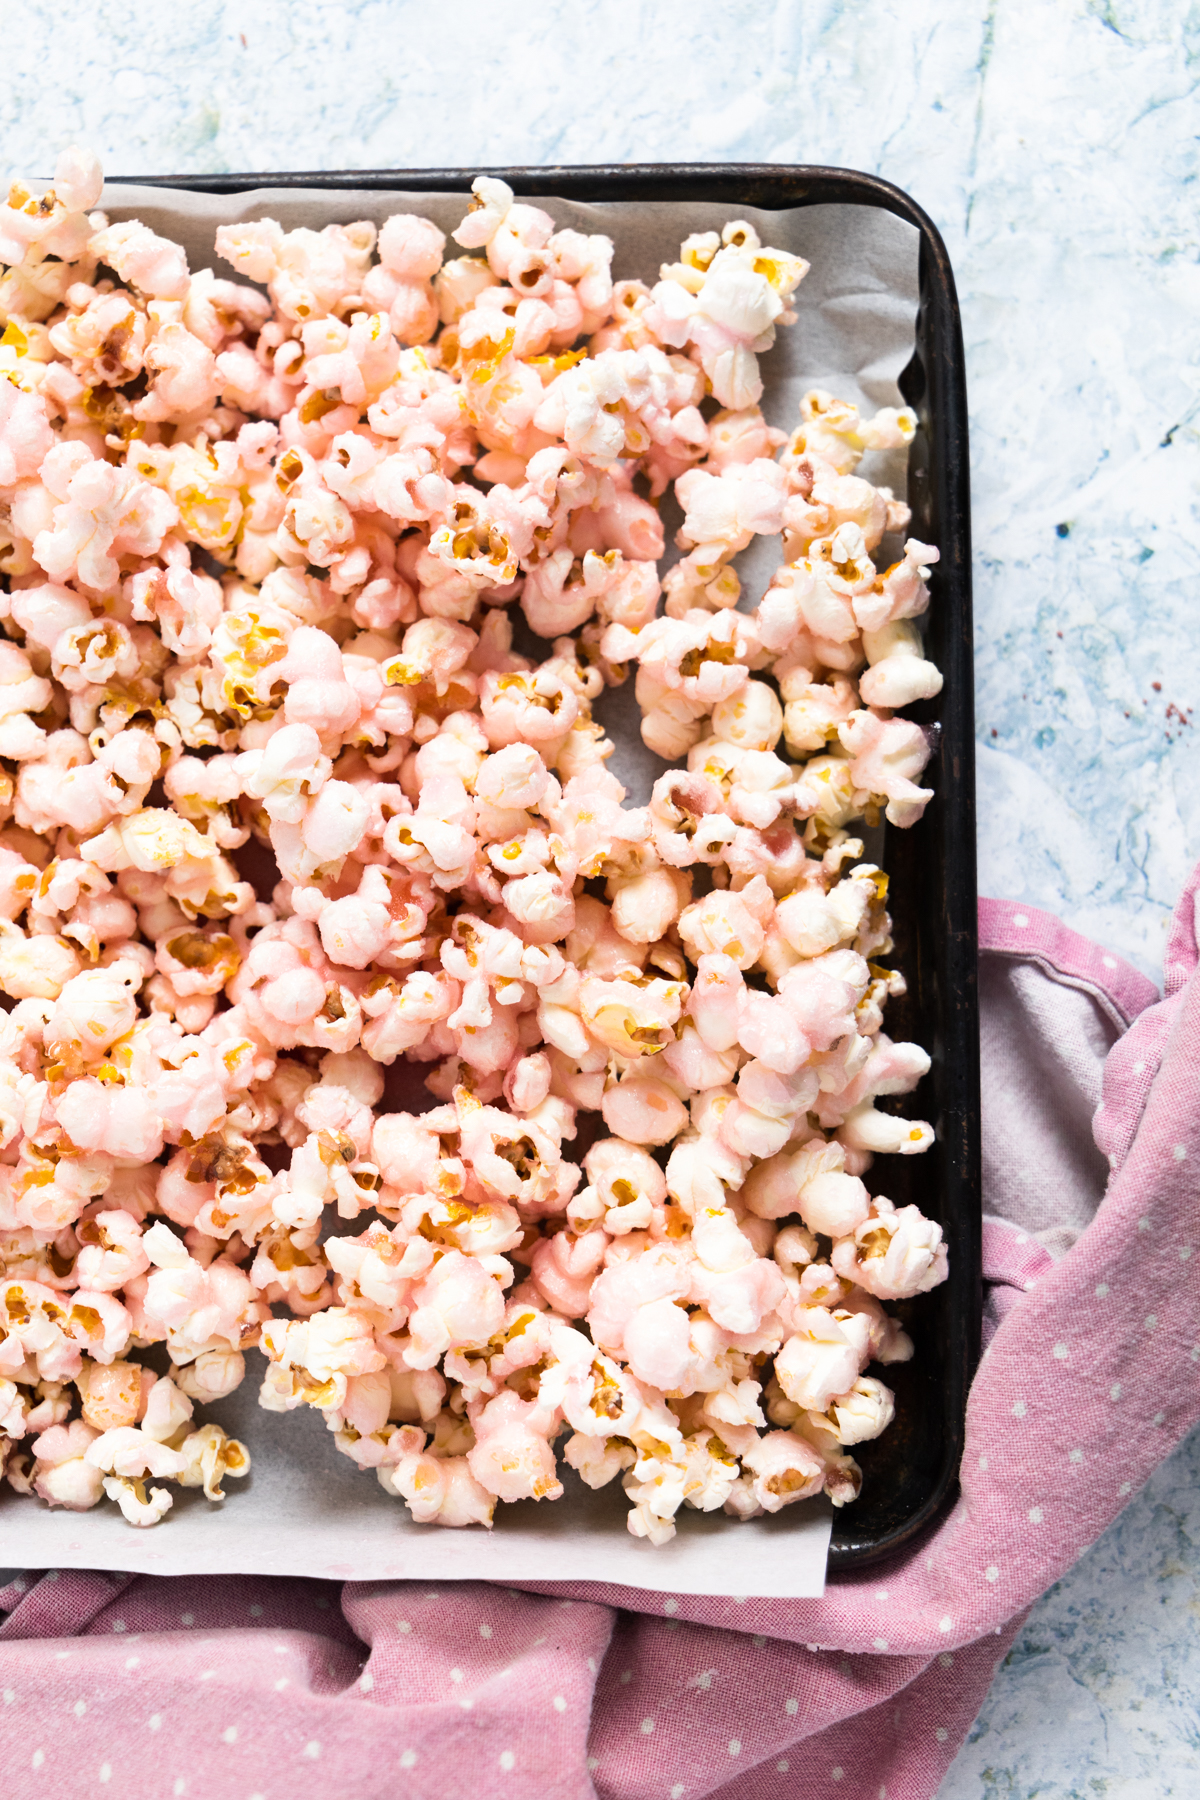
(385, 1691)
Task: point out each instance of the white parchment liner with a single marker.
(305, 1509)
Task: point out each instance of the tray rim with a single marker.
(939, 351)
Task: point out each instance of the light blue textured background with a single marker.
(1054, 142)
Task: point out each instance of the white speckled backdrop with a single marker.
(1054, 142)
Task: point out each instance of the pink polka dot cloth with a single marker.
(228, 1688)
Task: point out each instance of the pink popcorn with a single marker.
(766, 1108)
(643, 1111)
(887, 1342)
(111, 1395)
(511, 1458)
(898, 672)
(562, 593)
(94, 1009)
(740, 1299)
(785, 1468)
(99, 653)
(698, 657)
(536, 709)
(701, 1167)
(112, 1251)
(62, 1476)
(542, 906)
(694, 1065)
(410, 251)
(491, 202)
(78, 179)
(183, 375)
(437, 840)
(411, 247)
(767, 1030)
(332, 1343)
(885, 756)
(888, 1068)
(34, 966)
(598, 1460)
(628, 1184)
(631, 526)
(517, 1159)
(771, 1189)
(516, 249)
(832, 429)
(308, 272)
(822, 1359)
(729, 312)
(813, 921)
(900, 592)
(408, 1153)
(103, 335)
(386, 455)
(687, 820)
(197, 962)
(755, 784)
(657, 1277)
(98, 1323)
(657, 1344)
(400, 1018)
(44, 611)
(729, 924)
(147, 262)
(334, 825)
(865, 1411)
(194, 1303)
(699, 1471)
(32, 230)
(893, 1254)
(864, 1128)
(740, 437)
(822, 994)
(285, 773)
(564, 1267)
(439, 1490)
(833, 1204)
(354, 930)
(132, 1453)
(459, 1303)
(751, 719)
(512, 779)
(25, 435)
(597, 1396)
(527, 1082)
(723, 512)
(106, 513)
(645, 906)
(214, 1375)
(119, 1121)
(318, 693)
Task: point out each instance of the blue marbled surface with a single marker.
(1054, 143)
(1097, 1698)
(1050, 141)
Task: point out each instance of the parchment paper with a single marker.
(305, 1509)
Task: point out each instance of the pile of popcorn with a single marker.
(262, 547)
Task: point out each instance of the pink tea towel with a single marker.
(231, 1688)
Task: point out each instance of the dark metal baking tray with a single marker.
(911, 1472)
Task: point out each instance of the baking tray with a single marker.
(911, 1472)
